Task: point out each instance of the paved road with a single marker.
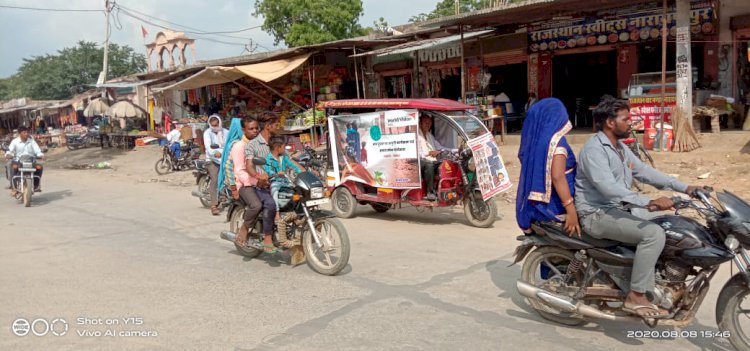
(99, 246)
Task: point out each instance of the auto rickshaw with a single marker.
(353, 181)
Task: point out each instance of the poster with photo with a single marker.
(378, 149)
(492, 176)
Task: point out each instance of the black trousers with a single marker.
(428, 173)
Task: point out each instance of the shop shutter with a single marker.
(508, 57)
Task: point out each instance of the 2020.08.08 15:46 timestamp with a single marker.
(673, 334)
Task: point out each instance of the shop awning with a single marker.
(421, 44)
(265, 72)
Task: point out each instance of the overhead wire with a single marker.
(48, 9)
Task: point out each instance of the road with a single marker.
(100, 246)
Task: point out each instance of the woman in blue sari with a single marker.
(548, 168)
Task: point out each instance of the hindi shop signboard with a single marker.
(645, 112)
(626, 25)
(378, 149)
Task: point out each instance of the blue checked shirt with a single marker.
(274, 166)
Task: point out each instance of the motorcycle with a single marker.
(25, 181)
(169, 163)
(572, 280)
(313, 161)
(77, 141)
(202, 180)
(311, 233)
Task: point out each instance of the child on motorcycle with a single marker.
(278, 163)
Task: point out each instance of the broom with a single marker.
(685, 138)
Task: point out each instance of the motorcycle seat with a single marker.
(558, 229)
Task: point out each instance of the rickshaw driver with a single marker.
(429, 148)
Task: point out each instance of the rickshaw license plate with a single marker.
(317, 202)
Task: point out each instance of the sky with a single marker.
(29, 33)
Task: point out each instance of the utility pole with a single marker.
(103, 74)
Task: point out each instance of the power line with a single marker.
(47, 9)
(126, 13)
(190, 29)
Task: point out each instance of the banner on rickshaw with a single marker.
(492, 176)
(378, 149)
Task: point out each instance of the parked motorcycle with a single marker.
(25, 181)
(570, 280)
(169, 163)
(310, 232)
(313, 161)
(78, 141)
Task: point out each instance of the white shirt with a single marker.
(503, 99)
(20, 148)
(427, 144)
(174, 136)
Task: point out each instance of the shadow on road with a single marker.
(42, 199)
(745, 149)
(426, 217)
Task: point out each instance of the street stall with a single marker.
(128, 122)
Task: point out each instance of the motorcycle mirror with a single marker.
(259, 161)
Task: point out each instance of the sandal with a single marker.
(269, 248)
(215, 211)
(645, 311)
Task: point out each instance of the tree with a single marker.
(69, 72)
(448, 8)
(306, 22)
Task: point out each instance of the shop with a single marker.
(740, 27)
(616, 50)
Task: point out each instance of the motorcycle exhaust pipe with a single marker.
(197, 193)
(228, 236)
(565, 304)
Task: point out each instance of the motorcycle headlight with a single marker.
(316, 193)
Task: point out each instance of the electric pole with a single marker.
(103, 74)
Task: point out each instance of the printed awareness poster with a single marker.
(378, 149)
(492, 176)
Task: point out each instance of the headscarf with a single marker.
(220, 136)
(543, 132)
(235, 134)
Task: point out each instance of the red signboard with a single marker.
(645, 112)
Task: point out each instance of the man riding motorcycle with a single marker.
(602, 193)
(23, 145)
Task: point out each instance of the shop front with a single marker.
(740, 26)
(617, 52)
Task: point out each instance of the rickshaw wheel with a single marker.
(344, 203)
(483, 216)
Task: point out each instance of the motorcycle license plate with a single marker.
(27, 169)
(317, 202)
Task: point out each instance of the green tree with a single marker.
(306, 22)
(448, 8)
(70, 71)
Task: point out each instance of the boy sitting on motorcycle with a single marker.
(278, 163)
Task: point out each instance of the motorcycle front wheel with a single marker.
(482, 214)
(733, 312)
(547, 266)
(333, 256)
(203, 183)
(27, 191)
(163, 166)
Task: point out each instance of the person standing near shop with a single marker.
(215, 136)
(173, 139)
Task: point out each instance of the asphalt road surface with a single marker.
(130, 261)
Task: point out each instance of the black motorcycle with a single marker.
(310, 232)
(202, 180)
(170, 163)
(78, 141)
(313, 161)
(571, 280)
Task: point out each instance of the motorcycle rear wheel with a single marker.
(203, 184)
(557, 260)
(235, 221)
(27, 191)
